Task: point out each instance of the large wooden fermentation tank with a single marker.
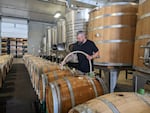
(142, 40)
(112, 28)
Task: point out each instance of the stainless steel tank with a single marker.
(76, 20)
(43, 46)
(61, 30)
(54, 37)
(49, 40)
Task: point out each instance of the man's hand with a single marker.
(89, 57)
(61, 65)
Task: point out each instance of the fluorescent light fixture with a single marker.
(57, 15)
(43, 0)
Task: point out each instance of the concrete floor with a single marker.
(126, 85)
(17, 95)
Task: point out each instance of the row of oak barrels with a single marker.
(63, 90)
(5, 65)
(36, 67)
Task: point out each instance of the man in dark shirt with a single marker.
(87, 46)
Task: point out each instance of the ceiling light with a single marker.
(57, 15)
(44, 0)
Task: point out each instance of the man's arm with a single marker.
(95, 55)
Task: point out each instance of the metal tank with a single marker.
(61, 30)
(43, 46)
(49, 41)
(54, 37)
(76, 20)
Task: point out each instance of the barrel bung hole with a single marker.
(121, 95)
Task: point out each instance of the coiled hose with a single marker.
(63, 62)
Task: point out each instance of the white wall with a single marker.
(37, 31)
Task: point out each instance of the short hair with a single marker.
(80, 32)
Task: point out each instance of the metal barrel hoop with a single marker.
(105, 89)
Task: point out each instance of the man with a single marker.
(87, 46)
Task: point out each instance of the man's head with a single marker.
(81, 36)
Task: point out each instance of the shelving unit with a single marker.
(19, 47)
(15, 46)
(12, 46)
(25, 45)
(4, 49)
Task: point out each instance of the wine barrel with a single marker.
(41, 69)
(49, 77)
(63, 94)
(3, 69)
(112, 28)
(5, 65)
(142, 40)
(119, 102)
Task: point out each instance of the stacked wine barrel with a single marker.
(5, 65)
(61, 89)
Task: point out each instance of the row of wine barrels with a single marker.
(65, 93)
(142, 40)
(112, 28)
(5, 65)
(49, 77)
(36, 67)
(30, 62)
(118, 102)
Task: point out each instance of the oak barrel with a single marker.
(5, 65)
(112, 28)
(41, 69)
(119, 102)
(63, 94)
(142, 40)
(49, 77)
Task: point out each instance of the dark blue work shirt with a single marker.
(88, 47)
